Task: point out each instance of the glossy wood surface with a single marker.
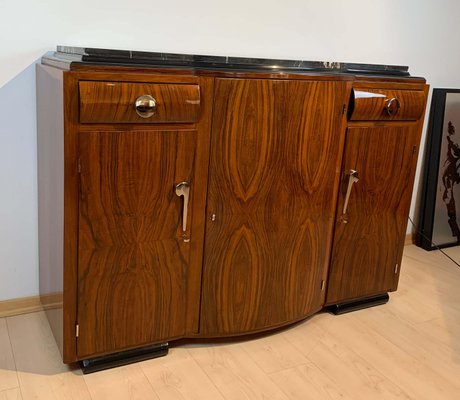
(133, 263)
(71, 201)
(277, 142)
(371, 104)
(113, 102)
(275, 155)
(369, 238)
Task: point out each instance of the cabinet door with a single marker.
(275, 161)
(132, 267)
(369, 238)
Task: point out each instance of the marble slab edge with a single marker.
(65, 56)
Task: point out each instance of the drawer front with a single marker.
(383, 104)
(128, 102)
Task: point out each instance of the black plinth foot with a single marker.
(123, 358)
(342, 308)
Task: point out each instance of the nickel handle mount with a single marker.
(183, 190)
(353, 177)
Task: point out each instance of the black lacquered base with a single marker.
(342, 308)
(123, 358)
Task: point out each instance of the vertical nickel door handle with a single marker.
(353, 177)
(183, 189)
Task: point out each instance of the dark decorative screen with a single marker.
(440, 206)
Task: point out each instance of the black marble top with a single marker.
(65, 56)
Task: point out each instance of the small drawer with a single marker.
(128, 102)
(383, 104)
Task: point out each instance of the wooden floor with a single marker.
(407, 349)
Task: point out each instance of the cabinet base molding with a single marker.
(124, 358)
(25, 305)
(355, 305)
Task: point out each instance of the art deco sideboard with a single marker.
(190, 196)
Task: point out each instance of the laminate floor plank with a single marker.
(353, 373)
(415, 307)
(11, 394)
(443, 330)
(433, 269)
(427, 350)
(41, 373)
(453, 252)
(121, 383)
(235, 373)
(8, 375)
(273, 353)
(306, 335)
(407, 349)
(420, 381)
(178, 377)
(430, 273)
(308, 382)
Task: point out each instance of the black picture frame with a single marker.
(438, 218)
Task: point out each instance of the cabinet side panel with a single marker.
(50, 146)
(71, 112)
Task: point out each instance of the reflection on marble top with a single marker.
(67, 55)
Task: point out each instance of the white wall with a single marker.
(18, 187)
(420, 33)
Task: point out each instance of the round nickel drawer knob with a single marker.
(392, 106)
(145, 106)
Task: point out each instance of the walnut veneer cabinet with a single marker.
(199, 197)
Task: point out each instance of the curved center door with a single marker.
(274, 169)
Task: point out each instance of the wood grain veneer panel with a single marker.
(133, 264)
(371, 104)
(113, 102)
(273, 171)
(367, 248)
